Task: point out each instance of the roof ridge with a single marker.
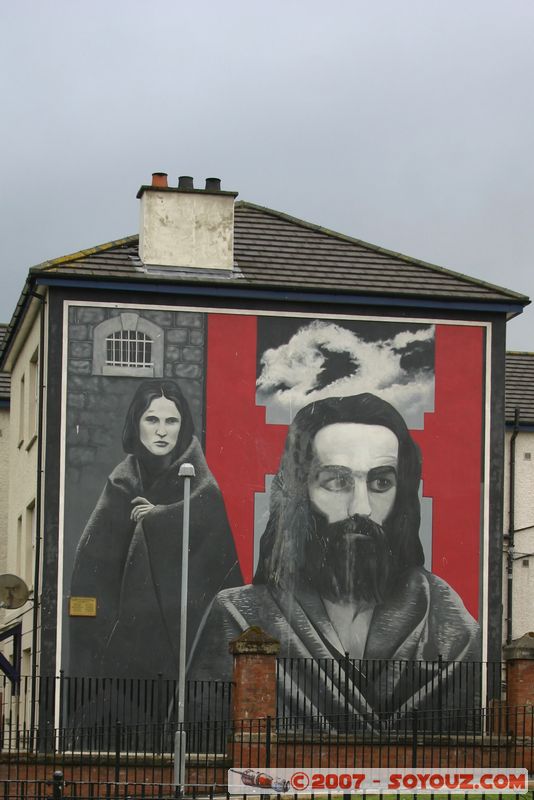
(376, 248)
(99, 248)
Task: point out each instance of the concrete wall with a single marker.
(523, 572)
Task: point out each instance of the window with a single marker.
(26, 671)
(18, 555)
(129, 349)
(33, 396)
(128, 345)
(29, 543)
(22, 409)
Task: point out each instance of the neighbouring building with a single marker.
(4, 461)
(519, 496)
(222, 334)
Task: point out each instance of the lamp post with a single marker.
(187, 471)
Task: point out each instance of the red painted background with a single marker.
(241, 448)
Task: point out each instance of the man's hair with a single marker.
(290, 525)
(146, 392)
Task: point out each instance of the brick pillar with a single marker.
(519, 656)
(254, 675)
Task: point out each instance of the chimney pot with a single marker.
(159, 179)
(213, 184)
(185, 182)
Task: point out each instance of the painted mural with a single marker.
(337, 498)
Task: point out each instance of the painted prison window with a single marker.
(128, 344)
(129, 349)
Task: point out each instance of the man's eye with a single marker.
(337, 483)
(381, 484)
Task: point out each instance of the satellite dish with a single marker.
(13, 591)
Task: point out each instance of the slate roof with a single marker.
(520, 387)
(275, 251)
(5, 379)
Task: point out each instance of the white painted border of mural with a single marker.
(270, 313)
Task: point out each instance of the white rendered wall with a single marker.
(4, 485)
(187, 229)
(523, 571)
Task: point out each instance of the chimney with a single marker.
(184, 226)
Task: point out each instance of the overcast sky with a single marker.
(406, 123)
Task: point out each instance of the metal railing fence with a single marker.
(493, 737)
(118, 757)
(307, 688)
(333, 687)
(62, 703)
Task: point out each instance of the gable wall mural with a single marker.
(339, 498)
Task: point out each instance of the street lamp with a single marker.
(187, 471)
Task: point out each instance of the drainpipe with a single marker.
(38, 511)
(511, 530)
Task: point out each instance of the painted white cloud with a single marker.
(291, 374)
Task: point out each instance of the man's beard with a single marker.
(348, 561)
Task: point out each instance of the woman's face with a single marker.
(159, 426)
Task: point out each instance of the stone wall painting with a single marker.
(127, 435)
(340, 478)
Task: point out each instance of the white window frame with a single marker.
(134, 324)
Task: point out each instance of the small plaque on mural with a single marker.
(82, 606)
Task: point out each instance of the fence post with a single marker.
(268, 743)
(61, 681)
(414, 738)
(117, 752)
(159, 699)
(57, 785)
(440, 682)
(254, 695)
(254, 674)
(519, 656)
(346, 667)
